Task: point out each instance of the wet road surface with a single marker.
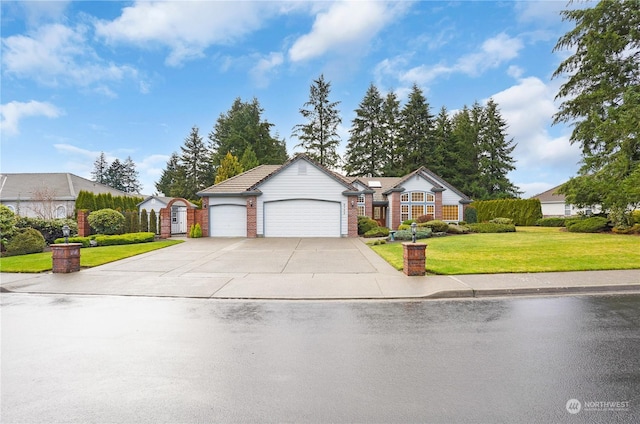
(128, 359)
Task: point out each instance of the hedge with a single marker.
(522, 211)
(28, 240)
(421, 233)
(50, 229)
(365, 224)
(377, 232)
(102, 240)
(550, 222)
(594, 224)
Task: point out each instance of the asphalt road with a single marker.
(149, 360)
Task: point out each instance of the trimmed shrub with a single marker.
(403, 227)
(436, 226)
(377, 232)
(501, 221)
(424, 218)
(28, 240)
(522, 211)
(86, 241)
(130, 238)
(50, 229)
(470, 215)
(551, 222)
(7, 224)
(421, 233)
(106, 221)
(488, 227)
(153, 222)
(627, 230)
(595, 224)
(635, 215)
(458, 229)
(408, 222)
(365, 224)
(195, 231)
(144, 221)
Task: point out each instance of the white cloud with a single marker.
(13, 112)
(493, 52)
(56, 55)
(345, 26)
(186, 28)
(528, 108)
(265, 66)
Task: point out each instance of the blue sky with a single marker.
(132, 78)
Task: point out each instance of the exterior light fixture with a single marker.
(414, 227)
(66, 231)
(251, 202)
(352, 203)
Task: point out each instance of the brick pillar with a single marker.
(438, 211)
(204, 218)
(252, 217)
(352, 216)
(394, 210)
(414, 255)
(368, 205)
(165, 223)
(191, 220)
(84, 229)
(66, 257)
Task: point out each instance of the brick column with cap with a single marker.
(66, 257)
(414, 255)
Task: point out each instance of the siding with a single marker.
(302, 180)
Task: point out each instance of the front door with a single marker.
(178, 220)
(380, 215)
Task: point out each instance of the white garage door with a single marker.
(228, 221)
(302, 218)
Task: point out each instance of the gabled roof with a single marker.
(241, 182)
(550, 196)
(387, 183)
(161, 199)
(339, 178)
(62, 185)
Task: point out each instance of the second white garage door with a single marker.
(302, 218)
(228, 221)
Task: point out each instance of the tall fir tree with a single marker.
(365, 154)
(415, 132)
(465, 136)
(100, 167)
(195, 164)
(242, 126)
(249, 160)
(172, 179)
(444, 161)
(130, 180)
(495, 155)
(114, 175)
(319, 136)
(392, 166)
(229, 167)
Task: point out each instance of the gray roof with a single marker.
(241, 182)
(63, 186)
(162, 199)
(387, 184)
(550, 196)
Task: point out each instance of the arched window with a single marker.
(61, 211)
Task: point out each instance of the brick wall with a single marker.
(352, 215)
(394, 210)
(165, 222)
(438, 205)
(252, 217)
(368, 205)
(84, 229)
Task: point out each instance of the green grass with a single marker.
(89, 257)
(530, 249)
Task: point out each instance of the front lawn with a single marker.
(529, 249)
(89, 257)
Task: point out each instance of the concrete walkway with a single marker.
(294, 268)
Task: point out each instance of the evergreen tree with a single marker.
(193, 162)
(242, 127)
(171, 176)
(444, 161)
(100, 167)
(144, 221)
(130, 180)
(319, 137)
(229, 167)
(602, 99)
(249, 160)
(392, 166)
(365, 154)
(415, 132)
(495, 160)
(153, 222)
(114, 175)
(466, 138)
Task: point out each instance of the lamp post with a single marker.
(66, 231)
(413, 231)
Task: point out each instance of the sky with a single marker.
(133, 78)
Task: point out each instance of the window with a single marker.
(567, 209)
(430, 197)
(61, 212)
(404, 212)
(417, 196)
(404, 197)
(450, 212)
(361, 198)
(361, 211)
(416, 211)
(376, 212)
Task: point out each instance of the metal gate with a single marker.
(178, 220)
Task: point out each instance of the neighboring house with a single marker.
(554, 205)
(178, 210)
(47, 195)
(304, 199)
